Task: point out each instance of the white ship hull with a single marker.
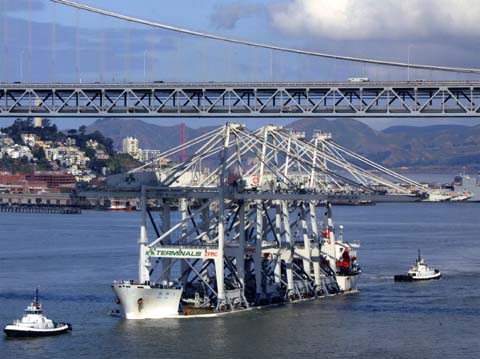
(145, 302)
(348, 283)
(427, 275)
(460, 198)
(19, 331)
(438, 197)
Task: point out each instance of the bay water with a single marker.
(73, 259)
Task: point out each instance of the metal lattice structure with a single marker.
(247, 230)
(292, 100)
(234, 240)
(273, 157)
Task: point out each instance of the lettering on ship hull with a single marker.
(181, 253)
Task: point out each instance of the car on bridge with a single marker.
(358, 79)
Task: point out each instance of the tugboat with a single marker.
(35, 324)
(420, 271)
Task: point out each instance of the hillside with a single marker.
(398, 146)
(442, 145)
(404, 146)
(152, 137)
(352, 134)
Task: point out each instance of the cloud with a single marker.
(226, 16)
(22, 5)
(373, 19)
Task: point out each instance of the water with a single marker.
(73, 260)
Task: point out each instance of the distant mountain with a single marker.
(398, 146)
(152, 137)
(350, 133)
(442, 145)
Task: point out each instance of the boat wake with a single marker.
(379, 277)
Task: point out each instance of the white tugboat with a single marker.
(35, 324)
(420, 271)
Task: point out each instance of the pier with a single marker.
(40, 209)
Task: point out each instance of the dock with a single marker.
(40, 209)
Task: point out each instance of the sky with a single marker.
(43, 41)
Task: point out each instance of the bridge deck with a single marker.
(249, 99)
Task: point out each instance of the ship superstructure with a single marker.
(468, 186)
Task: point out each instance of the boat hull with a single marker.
(470, 184)
(145, 302)
(15, 331)
(348, 283)
(409, 278)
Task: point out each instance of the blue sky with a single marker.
(89, 47)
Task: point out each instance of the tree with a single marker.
(82, 129)
(42, 163)
(39, 153)
(16, 165)
(18, 127)
(121, 163)
(48, 132)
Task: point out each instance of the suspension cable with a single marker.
(265, 46)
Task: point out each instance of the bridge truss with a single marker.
(212, 99)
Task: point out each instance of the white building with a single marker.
(130, 146)
(67, 156)
(29, 139)
(70, 142)
(101, 155)
(5, 140)
(37, 121)
(17, 151)
(149, 155)
(92, 144)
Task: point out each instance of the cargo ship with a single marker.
(246, 233)
(272, 273)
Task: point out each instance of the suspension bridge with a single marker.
(359, 97)
(248, 233)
